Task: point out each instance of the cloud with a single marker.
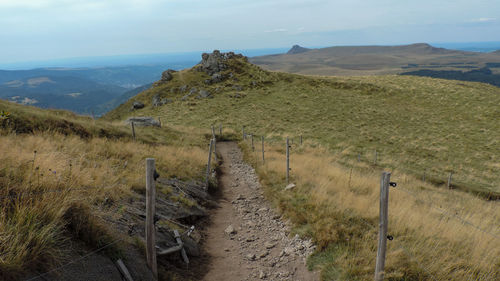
(277, 30)
(484, 20)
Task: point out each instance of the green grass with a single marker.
(416, 125)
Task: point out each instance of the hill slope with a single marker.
(417, 126)
(369, 60)
(70, 185)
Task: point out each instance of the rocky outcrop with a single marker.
(204, 94)
(137, 105)
(158, 101)
(143, 121)
(216, 61)
(167, 75)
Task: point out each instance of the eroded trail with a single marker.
(246, 239)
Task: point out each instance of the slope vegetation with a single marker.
(419, 127)
(67, 183)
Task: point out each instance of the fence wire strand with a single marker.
(448, 213)
(75, 260)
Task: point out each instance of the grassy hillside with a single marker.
(62, 177)
(416, 125)
(370, 60)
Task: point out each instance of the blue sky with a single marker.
(49, 29)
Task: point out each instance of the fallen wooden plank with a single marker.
(123, 270)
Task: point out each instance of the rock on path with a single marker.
(247, 240)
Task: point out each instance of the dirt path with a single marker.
(246, 238)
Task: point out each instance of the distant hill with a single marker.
(73, 93)
(296, 49)
(370, 60)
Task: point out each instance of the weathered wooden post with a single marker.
(423, 177)
(220, 130)
(449, 180)
(150, 214)
(215, 150)
(133, 130)
(287, 160)
(213, 132)
(263, 160)
(300, 139)
(207, 178)
(382, 236)
(359, 157)
(253, 147)
(350, 176)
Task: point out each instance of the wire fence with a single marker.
(41, 276)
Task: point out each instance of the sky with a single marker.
(51, 29)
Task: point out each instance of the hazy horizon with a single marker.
(37, 30)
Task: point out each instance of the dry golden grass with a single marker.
(340, 210)
(56, 193)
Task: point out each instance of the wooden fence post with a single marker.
(263, 160)
(300, 139)
(215, 150)
(133, 129)
(150, 214)
(253, 147)
(287, 160)
(449, 180)
(220, 130)
(382, 236)
(213, 132)
(423, 178)
(359, 157)
(208, 165)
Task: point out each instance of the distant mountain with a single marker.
(370, 60)
(82, 90)
(296, 49)
(77, 94)
(103, 108)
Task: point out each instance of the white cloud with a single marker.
(276, 30)
(484, 20)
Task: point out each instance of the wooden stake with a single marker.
(287, 160)
(253, 147)
(208, 165)
(263, 160)
(133, 129)
(359, 157)
(215, 150)
(300, 139)
(220, 131)
(423, 178)
(350, 176)
(449, 180)
(150, 214)
(382, 236)
(213, 132)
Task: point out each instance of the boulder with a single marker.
(143, 121)
(167, 75)
(183, 88)
(204, 94)
(137, 105)
(157, 101)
